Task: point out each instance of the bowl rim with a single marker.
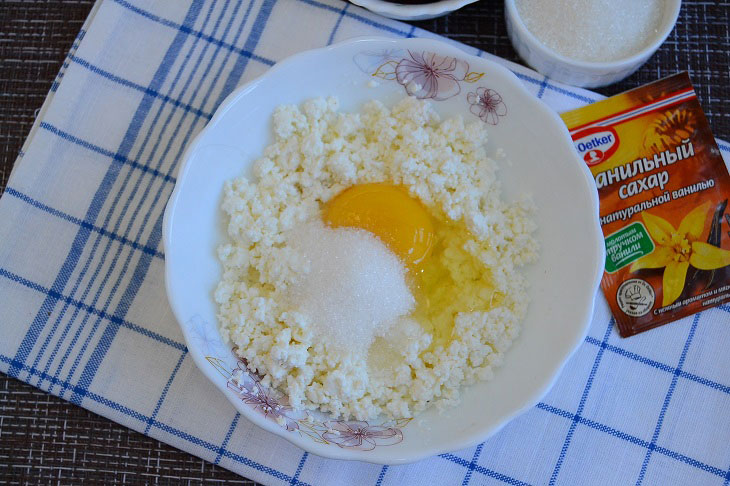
(638, 57)
(400, 10)
(467, 440)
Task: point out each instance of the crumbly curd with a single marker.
(462, 267)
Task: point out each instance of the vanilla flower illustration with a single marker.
(677, 249)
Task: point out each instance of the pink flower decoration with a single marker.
(487, 104)
(428, 75)
(275, 406)
(267, 401)
(361, 435)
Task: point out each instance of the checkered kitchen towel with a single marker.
(84, 311)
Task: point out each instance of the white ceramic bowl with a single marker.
(413, 11)
(543, 164)
(582, 73)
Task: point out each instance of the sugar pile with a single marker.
(355, 289)
(593, 30)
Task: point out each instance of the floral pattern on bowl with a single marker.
(487, 104)
(274, 406)
(427, 75)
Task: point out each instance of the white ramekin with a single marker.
(582, 73)
(421, 11)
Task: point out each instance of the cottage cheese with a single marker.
(426, 356)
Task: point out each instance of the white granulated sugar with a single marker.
(355, 288)
(593, 30)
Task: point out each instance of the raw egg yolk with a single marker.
(388, 212)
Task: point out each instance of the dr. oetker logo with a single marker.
(596, 144)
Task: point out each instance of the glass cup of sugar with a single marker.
(589, 43)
